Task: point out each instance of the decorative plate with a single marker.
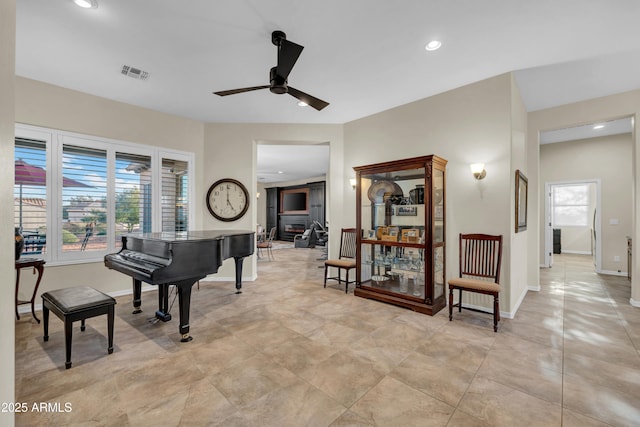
(378, 189)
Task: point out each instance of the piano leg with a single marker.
(184, 300)
(163, 303)
(239, 261)
(137, 296)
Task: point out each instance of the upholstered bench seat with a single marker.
(479, 285)
(73, 304)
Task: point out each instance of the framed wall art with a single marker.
(522, 186)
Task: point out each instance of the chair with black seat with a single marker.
(480, 258)
(306, 239)
(346, 259)
(267, 244)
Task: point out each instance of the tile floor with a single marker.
(288, 352)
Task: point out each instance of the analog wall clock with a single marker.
(227, 199)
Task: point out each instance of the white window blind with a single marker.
(570, 205)
(84, 199)
(175, 200)
(30, 194)
(133, 209)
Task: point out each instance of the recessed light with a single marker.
(596, 127)
(302, 104)
(87, 4)
(433, 45)
(280, 172)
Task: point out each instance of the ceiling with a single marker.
(361, 56)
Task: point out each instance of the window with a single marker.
(30, 193)
(570, 205)
(76, 195)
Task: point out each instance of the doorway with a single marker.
(572, 219)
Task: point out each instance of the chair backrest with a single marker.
(480, 256)
(348, 243)
(272, 234)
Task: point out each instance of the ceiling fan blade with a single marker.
(234, 91)
(288, 54)
(314, 102)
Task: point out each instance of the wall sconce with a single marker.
(478, 171)
(352, 181)
(258, 195)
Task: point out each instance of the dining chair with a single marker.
(480, 257)
(267, 244)
(346, 258)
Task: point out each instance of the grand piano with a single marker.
(180, 259)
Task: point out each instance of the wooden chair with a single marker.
(346, 260)
(480, 258)
(267, 244)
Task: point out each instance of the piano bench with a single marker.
(73, 304)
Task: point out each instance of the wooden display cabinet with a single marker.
(401, 247)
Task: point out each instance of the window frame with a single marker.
(55, 141)
(555, 205)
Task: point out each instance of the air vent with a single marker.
(135, 73)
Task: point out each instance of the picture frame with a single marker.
(406, 210)
(522, 190)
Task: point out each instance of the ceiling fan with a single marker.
(288, 53)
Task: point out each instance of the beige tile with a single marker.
(460, 419)
(459, 352)
(205, 405)
(573, 419)
(343, 376)
(299, 354)
(610, 405)
(520, 349)
(605, 373)
(529, 377)
(297, 404)
(434, 377)
(251, 379)
(410, 407)
(499, 405)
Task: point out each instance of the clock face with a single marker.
(227, 199)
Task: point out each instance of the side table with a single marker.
(38, 265)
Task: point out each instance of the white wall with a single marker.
(7, 105)
(467, 125)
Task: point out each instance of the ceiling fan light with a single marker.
(433, 45)
(87, 4)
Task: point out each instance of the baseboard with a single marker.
(634, 302)
(612, 273)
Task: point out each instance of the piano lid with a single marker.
(180, 236)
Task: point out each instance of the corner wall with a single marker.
(7, 270)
